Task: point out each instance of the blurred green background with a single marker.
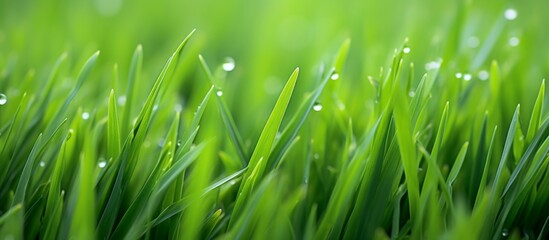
(267, 39)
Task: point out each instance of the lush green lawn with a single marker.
(273, 119)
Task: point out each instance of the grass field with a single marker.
(268, 119)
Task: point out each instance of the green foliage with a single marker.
(448, 140)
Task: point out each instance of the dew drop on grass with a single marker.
(3, 99)
(121, 100)
(412, 94)
(335, 76)
(161, 142)
(514, 41)
(432, 65)
(179, 143)
(483, 75)
(505, 232)
(459, 75)
(510, 14)
(178, 107)
(317, 107)
(406, 50)
(467, 77)
(155, 107)
(228, 64)
(219, 93)
(102, 164)
(42, 164)
(85, 115)
(473, 42)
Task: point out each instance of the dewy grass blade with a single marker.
(82, 76)
(226, 115)
(264, 145)
(293, 127)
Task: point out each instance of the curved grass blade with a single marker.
(536, 114)
(264, 146)
(226, 115)
(84, 219)
(408, 155)
(456, 168)
(113, 129)
(133, 76)
(290, 132)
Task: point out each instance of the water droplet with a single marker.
(432, 65)
(69, 134)
(3, 99)
(85, 115)
(178, 107)
(459, 75)
(179, 143)
(352, 146)
(229, 64)
(121, 100)
(42, 164)
(505, 232)
(483, 75)
(335, 76)
(406, 50)
(510, 14)
(219, 93)
(155, 107)
(473, 42)
(467, 77)
(317, 107)
(316, 156)
(161, 142)
(412, 94)
(341, 105)
(514, 41)
(102, 164)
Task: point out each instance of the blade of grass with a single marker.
(264, 146)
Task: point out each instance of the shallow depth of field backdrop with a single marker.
(409, 119)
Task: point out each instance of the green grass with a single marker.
(404, 120)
